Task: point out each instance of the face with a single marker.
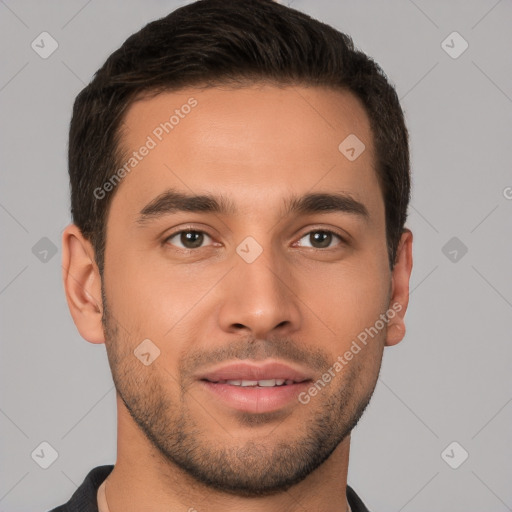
(246, 285)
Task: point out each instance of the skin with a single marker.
(178, 447)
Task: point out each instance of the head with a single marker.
(247, 105)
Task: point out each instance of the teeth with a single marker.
(249, 383)
(267, 383)
(262, 383)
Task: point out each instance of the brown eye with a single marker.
(189, 239)
(321, 238)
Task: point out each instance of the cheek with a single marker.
(349, 298)
(157, 299)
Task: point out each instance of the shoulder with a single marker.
(355, 502)
(84, 499)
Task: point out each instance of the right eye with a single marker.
(188, 238)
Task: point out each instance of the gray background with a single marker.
(449, 380)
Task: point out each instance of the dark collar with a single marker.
(85, 499)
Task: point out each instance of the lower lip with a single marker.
(256, 399)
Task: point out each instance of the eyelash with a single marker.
(193, 230)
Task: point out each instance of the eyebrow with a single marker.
(172, 201)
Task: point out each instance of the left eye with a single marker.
(322, 237)
(193, 239)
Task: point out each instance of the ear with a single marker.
(400, 289)
(82, 284)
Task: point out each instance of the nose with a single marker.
(260, 297)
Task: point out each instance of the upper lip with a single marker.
(252, 371)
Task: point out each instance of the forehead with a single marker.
(254, 142)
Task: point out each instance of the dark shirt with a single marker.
(85, 498)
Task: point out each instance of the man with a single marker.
(239, 187)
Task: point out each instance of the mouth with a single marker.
(252, 397)
(266, 383)
(255, 388)
(265, 374)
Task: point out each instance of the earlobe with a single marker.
(395, 333)
(400, 289)
(82, 284)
